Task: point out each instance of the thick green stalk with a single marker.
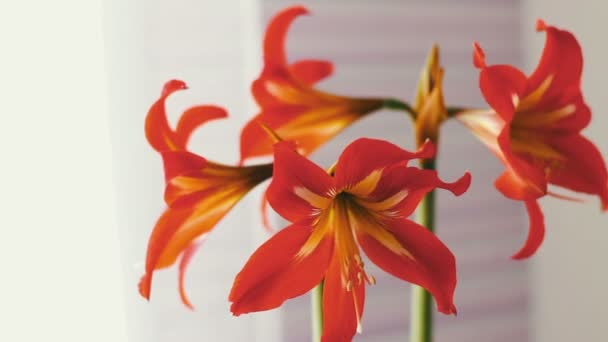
(317, 312)
(421, 320)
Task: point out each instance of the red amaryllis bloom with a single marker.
(363, 205)
(289, 104)
(535, 128)
(198, 192)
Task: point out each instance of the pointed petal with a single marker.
(276, 32)
(299, 188)
(275, 272)
(365, 156)
(180, 162)
(172, 86)
(158, 132)
(197, 225)
(500, 85)
(479, 56)
(536, 232)
(342, 309)
(428, 263)
(254, 141)
(583, 170)
(183, 265)
(401, 189)
(311, 71)
(561, 49)
(165, 228)
(194, 117)
(522, 178)
(513, 187)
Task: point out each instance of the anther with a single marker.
(349, 286)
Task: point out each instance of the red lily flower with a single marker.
(289, 104)
(198, 192)
(535, 128)
(365, 204)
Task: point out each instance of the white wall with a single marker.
(60, 278)
(570, 276)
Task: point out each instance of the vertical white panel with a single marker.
(59, 246)
(569, 274)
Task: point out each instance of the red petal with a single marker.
(293, 176)
(159, 134)
(479, 57)
(194, 117)
(172, 86)
(433, 265)
(413, 182)
(584, 169)
(183, 264)
(527, 180)
(311, 71)
(255, 141)
(364, 156)
(179, 162)
(513, 187)
(274, 39)
(275, 272)
(536, 232)
(165, 228)
(500, 85)
(341, 307)
(562, 59)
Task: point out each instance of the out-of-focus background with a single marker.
(89, 187)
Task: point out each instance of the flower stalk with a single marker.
(316, 311)
(421, 319)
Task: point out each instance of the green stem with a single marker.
(421, 320)
(399, 105)
(317, 312)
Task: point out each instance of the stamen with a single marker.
(545, 118)
(349, 286)
(565, 197)
(357, 258)
(359, 328)
(370, 279)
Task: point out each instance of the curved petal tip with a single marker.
(536, 231)
(540, 25)
(172, 86)
(479, 57)
(427, 150)
(460, 186)
(449, 310)
(295, 10)
(144, 285)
